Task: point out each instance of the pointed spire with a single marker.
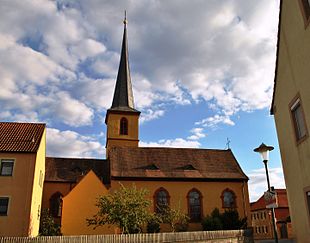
(123, 96)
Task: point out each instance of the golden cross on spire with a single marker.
(125, 19)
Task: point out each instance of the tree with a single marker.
(127, 208)
(47, 224)
(175, 218)
(228, 220)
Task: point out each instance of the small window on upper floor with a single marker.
(305, 7)
(123, 126)
(6, 167)
(308, 201)
(4, 205)
(298, 120)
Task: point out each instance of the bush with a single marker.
(47, 224)
(229, 220)
(153, 226)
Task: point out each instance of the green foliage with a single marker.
(228, 220)
(127, 208)
(47, 224)
(153, 225)
(175, 218)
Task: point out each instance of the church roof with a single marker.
(72, 169)
(174, 164)
(20, 137)
(123, 95)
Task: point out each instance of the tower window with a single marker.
(124, 126)
(194, 205)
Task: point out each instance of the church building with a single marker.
(194, 180)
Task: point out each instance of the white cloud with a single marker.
(258, 182)
(177, 143)
(149, 114)
(65, 54)
(71, 144)
(72, 111)
(214, 121)
(197, 133)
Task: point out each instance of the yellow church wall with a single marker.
(113, 130)
(79, 205)
(18, 188)
(211, 192)
(293, 80)
(37, 189)
(52, 187)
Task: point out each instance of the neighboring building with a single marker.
(262, 220)
(22, 169)
(291, 109)
(196, 180)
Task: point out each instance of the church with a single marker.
(194, 180)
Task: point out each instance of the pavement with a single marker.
(272, 241)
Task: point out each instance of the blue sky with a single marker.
(202, 72)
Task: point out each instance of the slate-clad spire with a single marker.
(123, 96)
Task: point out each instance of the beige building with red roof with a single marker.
(262, 220)
(22, 169)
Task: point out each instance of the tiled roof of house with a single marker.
(261, 204)
(72, 169)
(20, 137)
(174, 164)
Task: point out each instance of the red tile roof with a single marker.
(261, 204)
(20, 137)
(174, 163)
(71, 169)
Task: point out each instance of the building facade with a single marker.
(262, 220)
(291, 109)
(22, 163)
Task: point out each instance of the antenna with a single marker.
(228, 143)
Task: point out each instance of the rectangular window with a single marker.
(308, 201)
(305, 8)
(6, 167)
(298, 120)
(4, 204)
(41, 179)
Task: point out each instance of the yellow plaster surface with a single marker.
(293, 79)
(79, 205)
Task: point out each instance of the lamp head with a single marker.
(263, 150)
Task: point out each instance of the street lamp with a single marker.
(263, 150)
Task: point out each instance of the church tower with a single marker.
(122, 119)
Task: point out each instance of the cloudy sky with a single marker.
(202, 73)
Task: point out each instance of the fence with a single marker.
(227, 236)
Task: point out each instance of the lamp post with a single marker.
(263, 150)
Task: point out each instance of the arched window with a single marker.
(194, 199)
(161, 200)
(56, 204)
(228, 199)
(123, 126)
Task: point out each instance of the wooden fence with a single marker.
(228, 236)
